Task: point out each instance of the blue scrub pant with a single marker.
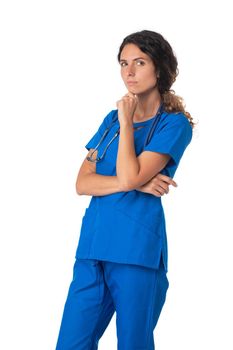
(98, 289)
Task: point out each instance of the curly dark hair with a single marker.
(165, 62)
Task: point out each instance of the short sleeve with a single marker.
(172, 137)
(97, 136)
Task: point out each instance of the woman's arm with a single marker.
(133, 171)
(97, 185)
(158, 185)
(90, 183)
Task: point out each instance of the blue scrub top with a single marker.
(129, 227)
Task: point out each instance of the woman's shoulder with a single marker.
(172, 117)
(176, 119)
(110, 117)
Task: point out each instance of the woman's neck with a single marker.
(148, 105)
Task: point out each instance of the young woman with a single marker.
(121, 259)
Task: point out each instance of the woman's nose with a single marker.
(130, 70)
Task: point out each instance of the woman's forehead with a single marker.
(132, 51)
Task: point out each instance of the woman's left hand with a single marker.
(158, 185)
(126, 108)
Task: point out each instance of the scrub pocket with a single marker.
(139, 208)
(89, 220)
(87, 231)
(150, 224)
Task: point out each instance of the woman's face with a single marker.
(137, 70)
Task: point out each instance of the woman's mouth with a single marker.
(131, 82)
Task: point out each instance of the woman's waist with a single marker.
(132, 201)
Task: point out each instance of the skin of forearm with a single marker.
(98, 185)
(127, 166)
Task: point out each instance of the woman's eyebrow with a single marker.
(135, 59)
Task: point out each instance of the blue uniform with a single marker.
(121, 258)
(129, 227)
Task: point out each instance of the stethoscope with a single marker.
(114, 119)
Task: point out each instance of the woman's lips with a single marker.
(131, 82)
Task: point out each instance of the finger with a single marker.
(157, 194)
(160, 190)
(162, 187)
(171, 182)
(129, 93)
(167, 179)
(166, 190)
(126, 97)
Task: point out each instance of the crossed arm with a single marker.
(140, 173)
(90, 183)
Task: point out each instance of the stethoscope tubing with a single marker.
(152, 128)
(114, 119)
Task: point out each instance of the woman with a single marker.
(121, 259)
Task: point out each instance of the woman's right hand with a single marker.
(158, 185)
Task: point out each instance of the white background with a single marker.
(59, 78)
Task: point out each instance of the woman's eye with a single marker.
(140, 63)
